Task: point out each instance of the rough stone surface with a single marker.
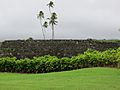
(61, 48)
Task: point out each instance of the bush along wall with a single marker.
(60, 48)
(44, 64)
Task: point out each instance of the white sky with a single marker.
(78, 19)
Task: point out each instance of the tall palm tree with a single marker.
(53, 21)
(45, 25)
(41, 16)
(50, 5)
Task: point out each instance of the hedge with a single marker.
(44, 64)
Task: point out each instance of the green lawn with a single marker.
(83, 79)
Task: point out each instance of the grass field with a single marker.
(83, 79)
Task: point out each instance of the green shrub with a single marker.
(119, 64)
(44, 64)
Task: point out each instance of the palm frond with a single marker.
(51, 4)
(45, 24)
(40, 15)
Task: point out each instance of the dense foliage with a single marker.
(90, 58)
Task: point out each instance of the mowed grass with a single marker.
(83, 79)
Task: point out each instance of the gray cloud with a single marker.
(78, 19)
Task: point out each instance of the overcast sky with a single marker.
(78, 19)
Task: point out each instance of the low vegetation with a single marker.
(44, 64)
(83, 79)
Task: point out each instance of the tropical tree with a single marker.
(40, 16)
(50, 5)
(53, 21)
(45, 25)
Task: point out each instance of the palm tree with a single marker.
(53, 22)
(50, 5)
(45, 25)
(41, 16)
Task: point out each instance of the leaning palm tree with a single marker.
(45, 25)
(50, 5)
(53, 21)
(40, 16)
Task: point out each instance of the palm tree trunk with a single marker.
(42, 30)
(50, 11)
(52, 31)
